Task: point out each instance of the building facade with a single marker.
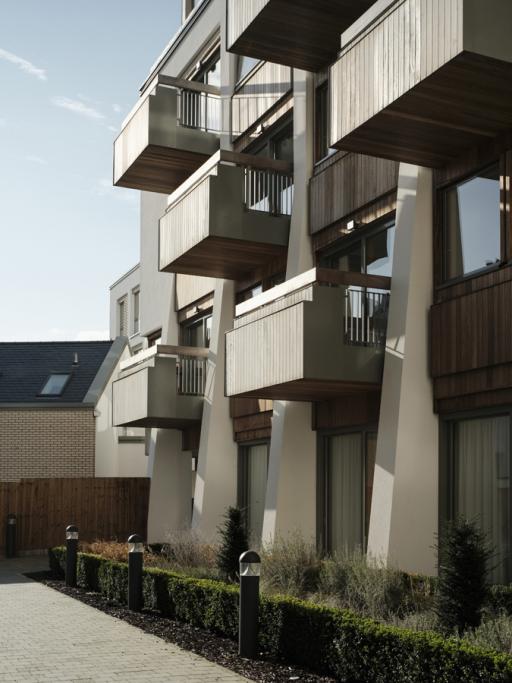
(325, 272)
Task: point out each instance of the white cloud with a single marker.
(3, 122)
(36, 160)
(116, 108)
(23, 65)
(113, 129)
(78, 107)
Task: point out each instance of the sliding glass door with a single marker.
(479, 482)
(348, 467)
(253, 471)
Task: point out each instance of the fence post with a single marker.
(250, 569)
(135, 558)
(10, 536)
(71, 554)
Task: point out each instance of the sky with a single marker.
(69, 73)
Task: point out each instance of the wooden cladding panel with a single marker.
(252, 427)
(408, 90)
(260, 93)
(102, 508)
(347, 411)
(347, 185)
(304, 34)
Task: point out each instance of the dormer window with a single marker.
(55, 384)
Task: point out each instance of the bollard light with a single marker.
(71, 554)
(250, 570)
(10, 536)
(135, 560)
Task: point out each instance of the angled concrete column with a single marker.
(404, 512)
(169, 467)
(216, 480)
(290, 505)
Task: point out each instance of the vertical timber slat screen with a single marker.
(102, 508)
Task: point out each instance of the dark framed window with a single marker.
(209, 70)
(197, 332)
(346, 465)
(322, 149)
(249, 293)
(154, 338)
(252, 485)
(471, 217)
(475, 480)
(369, 251)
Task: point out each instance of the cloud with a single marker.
(3, 122)
(36, 160)
(78, 107)
(116, 108)
(23, 65)
(113, 129)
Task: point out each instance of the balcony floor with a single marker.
(311, 390)
(161, 169)
(224, 257)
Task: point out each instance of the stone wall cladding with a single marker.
(46, 443)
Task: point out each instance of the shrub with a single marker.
(462, 588)
(493, 633)
(290, 566)
(187, 552)
(330, 641)
(234, 542)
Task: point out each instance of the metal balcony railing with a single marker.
(191, 375)
(365, 317)
(269, 191)
(201, 110)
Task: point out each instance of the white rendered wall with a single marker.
(216, 479)
(124, 288)
(114, 459)
(404, 515)
(290, 505)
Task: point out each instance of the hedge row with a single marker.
(331, 642)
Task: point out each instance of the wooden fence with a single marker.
(103, 508)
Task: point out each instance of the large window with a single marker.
(245, 66)
(476, 482)
(197, 333)
(209, 70)
(371, 253)
(253, 472)
(347, 466)
(472, 226)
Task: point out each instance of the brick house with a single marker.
(52, 396)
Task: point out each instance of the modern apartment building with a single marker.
(325, 261)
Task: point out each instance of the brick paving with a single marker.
(47, 636)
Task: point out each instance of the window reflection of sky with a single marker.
(479, 210)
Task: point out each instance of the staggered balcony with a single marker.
(170, 133)
(231, 217)
(422, 81)
(301, 33)
(315, 337)
(161, 387)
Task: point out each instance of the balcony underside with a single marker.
(161, 169)
(311, 390)
(464, 104)
(224, 257)
(162, 423)
(304, 34)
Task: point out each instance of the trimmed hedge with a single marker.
(329, 641)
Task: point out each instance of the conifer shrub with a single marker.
(463, 590)
(234, 542)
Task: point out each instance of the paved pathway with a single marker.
(47, 636)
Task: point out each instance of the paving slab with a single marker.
(47, 636)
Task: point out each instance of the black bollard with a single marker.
(71, 554)
(250, 569)
(10, 536)
(135, 557)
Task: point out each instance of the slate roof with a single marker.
(25, 367)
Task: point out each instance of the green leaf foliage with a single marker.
(234, 542)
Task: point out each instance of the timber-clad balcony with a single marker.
(304, 34)
(230, 217)
(315, 337)
(423, 81)
(169, 134)
(162, 386)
